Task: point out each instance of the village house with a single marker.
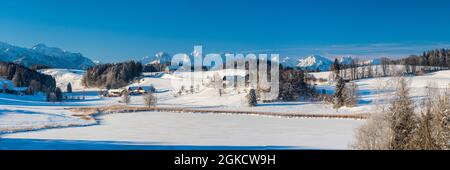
(132, 90)
(140, 90)
(114, 92)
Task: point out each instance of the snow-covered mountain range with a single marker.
(41, 54)
(313, 62)
(320, 63)
(160, 57)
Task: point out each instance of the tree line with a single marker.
(24, 77)
(112, 76)
(429, 61)
(432, 58)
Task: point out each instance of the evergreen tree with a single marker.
(293, 85)
(251, 98)
(336, 68)
(402, 119)
(59, 94)
(69, 88)
(302, 85)
(339, 95)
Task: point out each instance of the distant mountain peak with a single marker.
(52, 51)
(41, 54)
(160, 57)
(40, 45)
(315, 62)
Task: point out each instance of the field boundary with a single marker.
(90, 112)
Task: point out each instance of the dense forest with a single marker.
(25, 77)
(433, 58)
(112, 76)
(293, 85)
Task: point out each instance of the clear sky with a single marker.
(113, 30)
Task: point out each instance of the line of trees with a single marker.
(25, 77)
(433, 58)
(112, 75)
(429, 61)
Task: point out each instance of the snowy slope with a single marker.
(66, 76)
(40, 54)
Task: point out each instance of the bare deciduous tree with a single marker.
(150, 99)
(126, 97)
(374, 135)
(351, 94)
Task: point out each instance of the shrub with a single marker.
(150, 99)
(126, 97)
(251, 98)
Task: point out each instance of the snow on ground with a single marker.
(66, 76)
(22, 113)
(19, 113)
(146, 129)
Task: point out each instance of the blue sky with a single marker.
(112, 30)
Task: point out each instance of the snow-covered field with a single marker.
(156, 130)
(153, 129)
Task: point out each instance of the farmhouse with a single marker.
(114, 92)
(139, 90)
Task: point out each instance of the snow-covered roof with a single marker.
(115, 90)
(146, 88)
(238, 77)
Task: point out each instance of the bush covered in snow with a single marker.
(404, 126)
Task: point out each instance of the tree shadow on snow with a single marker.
(53, 144)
